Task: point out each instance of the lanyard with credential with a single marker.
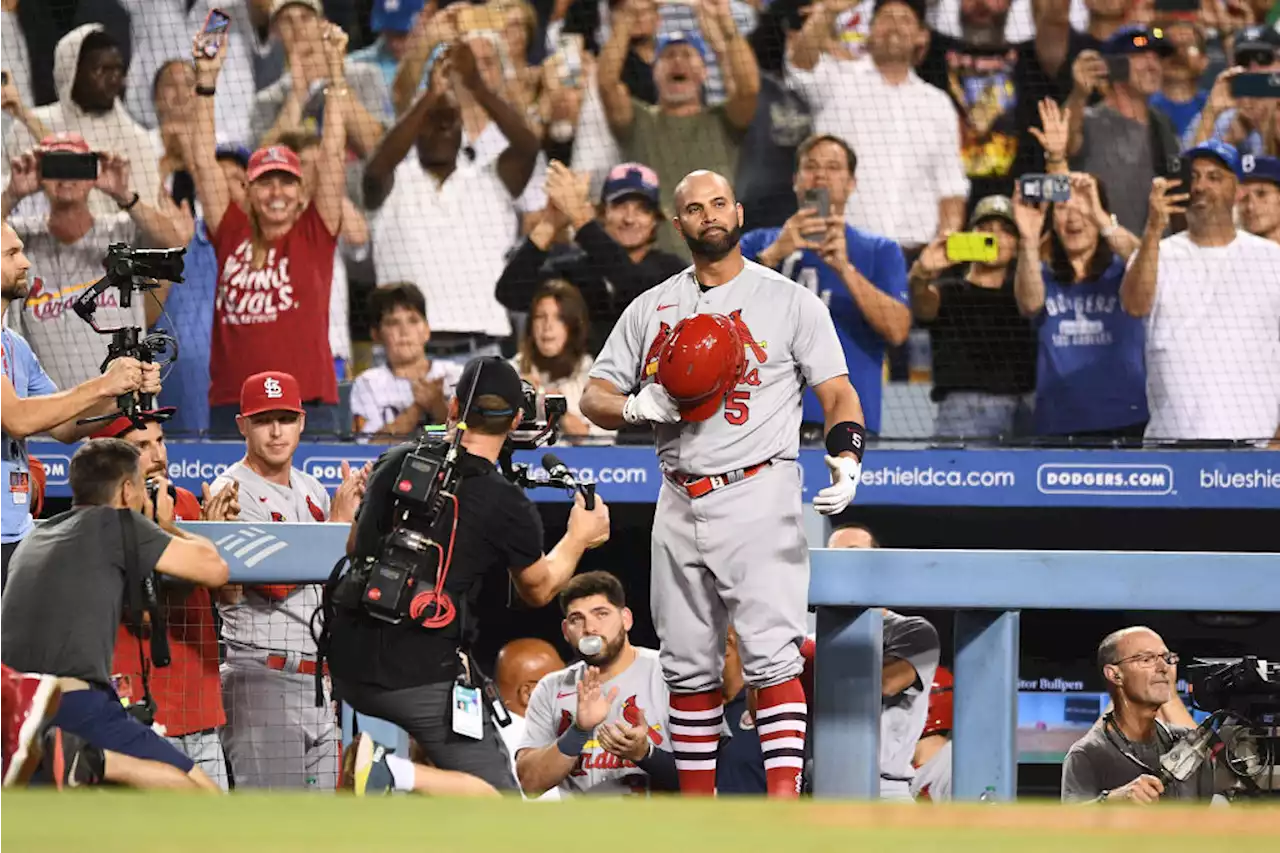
(1125, 746)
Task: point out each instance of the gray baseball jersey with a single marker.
(554, 703)
(258, 623)
(913, 639)
(933, 779)
(790, 341)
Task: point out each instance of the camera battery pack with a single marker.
(387, 593)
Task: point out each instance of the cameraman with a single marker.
(1118, 760)
(406, 673)
(30, 402)
(70, 578)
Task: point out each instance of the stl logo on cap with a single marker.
(274, 155)
(271, 387)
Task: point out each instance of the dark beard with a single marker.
(714, 249)
(17, 290)
(612, 648)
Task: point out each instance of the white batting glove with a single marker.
(653, 404)
(845, 474)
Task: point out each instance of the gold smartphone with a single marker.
(972, 247)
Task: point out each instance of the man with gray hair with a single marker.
(1119, 758)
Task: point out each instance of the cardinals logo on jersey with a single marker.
(316, 512)
(277, 516)
(566, 720)
(655, 349)
(748, 339)
(634, 714)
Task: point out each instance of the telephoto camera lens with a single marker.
(591, 645)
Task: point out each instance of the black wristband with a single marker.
(847, 436)
(131, 203)
(206, 91)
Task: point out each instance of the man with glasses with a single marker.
(1118, 760)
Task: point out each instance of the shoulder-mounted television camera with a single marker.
(407, 576)
(131, 270)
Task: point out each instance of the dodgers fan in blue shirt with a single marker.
(862, 278)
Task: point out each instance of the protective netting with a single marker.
(489, 179)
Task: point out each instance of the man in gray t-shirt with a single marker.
(1119, 758)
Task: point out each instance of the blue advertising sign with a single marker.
(1160, 479)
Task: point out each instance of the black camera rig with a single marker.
(1243, 728)
(132, 270)
(406, 578)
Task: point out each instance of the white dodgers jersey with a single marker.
(259, 622)
(554, 704)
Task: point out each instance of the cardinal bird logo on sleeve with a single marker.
(632, 713)
(316, 512)
(566, 720)
(277, 516)
(655, 349)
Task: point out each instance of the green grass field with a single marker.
(99, 822)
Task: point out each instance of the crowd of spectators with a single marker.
(448, 179)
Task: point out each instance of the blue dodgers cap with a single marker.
(1135, 38)
(631, 179)
(1225, 154)
(238, 153)
(394, 16)
(1258, 168)
(1257, 40)
(674, 37)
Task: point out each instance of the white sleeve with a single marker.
(364, 404)
(948, 171)
(539, 717)
(812, 84)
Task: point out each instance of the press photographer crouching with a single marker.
(400, 622)
(69, 583)
(1128, 754)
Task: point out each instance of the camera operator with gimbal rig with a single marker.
(409, 664)
(30, 403)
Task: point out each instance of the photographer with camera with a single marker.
(30, 402)
(1119, 759)
(416, 671)
(67, 247)
(185, 698)
(71, 578)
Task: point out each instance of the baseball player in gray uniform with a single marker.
(911, 652)
(598, 726)
(275, 736)
(723, 387)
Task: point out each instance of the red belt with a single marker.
(696, 487)
(280, 663)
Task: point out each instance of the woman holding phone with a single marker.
(275, 253)
(1090, 368)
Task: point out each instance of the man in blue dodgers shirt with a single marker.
(30, 403)
(861, 277)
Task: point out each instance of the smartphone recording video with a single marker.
(972, 247)
(1261, 85)
(68, 166)
(214, 31)
(1050, 188)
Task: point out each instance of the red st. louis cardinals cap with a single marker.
(273, 158)
(270, 391)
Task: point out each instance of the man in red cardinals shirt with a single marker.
(187, 693)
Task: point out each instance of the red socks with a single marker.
(695, 720)
(781, 721)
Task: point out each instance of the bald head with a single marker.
(852, 536)
(708, 217)
(521, 665)
(1119, 645)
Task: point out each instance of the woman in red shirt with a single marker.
(275, 258)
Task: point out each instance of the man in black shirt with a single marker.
(983, 349)
(406, 673)
(66, 596)
(612, 259)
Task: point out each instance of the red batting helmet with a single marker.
(941, 699)
(701, 362)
